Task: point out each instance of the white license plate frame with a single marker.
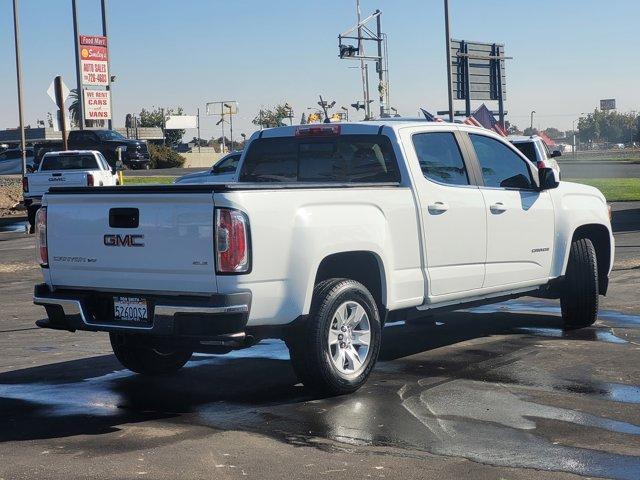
(131, 310)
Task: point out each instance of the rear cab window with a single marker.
(336, 159)
(69, 162)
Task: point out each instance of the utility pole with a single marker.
(199, 150)
(379, 66)
(364, 70)
(448, 45)
(74, 10)
(103, 6)
(230, 123)
(16, 36)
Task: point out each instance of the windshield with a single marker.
(529, 149)
(109, 135)
(69, 162)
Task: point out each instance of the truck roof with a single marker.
(69, 152)
(367, 127)
(522, 138)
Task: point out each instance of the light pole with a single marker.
(74, 11)
(531, 127)
(448, 45)
(230, 123)
(105, 33)
(16, 35)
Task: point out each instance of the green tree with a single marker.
(530, 131)
(272, 117)
(611, 127)
(157, 117)
(74, 108)
(553, 133)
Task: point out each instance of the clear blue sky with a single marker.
(567, 54)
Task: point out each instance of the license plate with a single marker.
(130, 309)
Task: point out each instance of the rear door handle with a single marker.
(498, 207)
(438, 207)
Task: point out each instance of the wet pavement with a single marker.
(499, 391)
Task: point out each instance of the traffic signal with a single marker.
(348, 51)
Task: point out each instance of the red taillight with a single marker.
(317, 130)
(25, 184)
(89, 180)
(232, 241)
(41, 236)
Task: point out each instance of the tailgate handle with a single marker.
(124, 218)
(56, 174)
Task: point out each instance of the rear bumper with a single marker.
(178, 317)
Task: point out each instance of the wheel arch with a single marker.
(364, 266)
(600, 236)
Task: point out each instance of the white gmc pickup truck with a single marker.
(329, 231)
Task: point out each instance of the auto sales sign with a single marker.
(93, 60)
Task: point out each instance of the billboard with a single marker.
(180, 122)
(608, 104)
(94, 60)
(477, 71)
(97, 105)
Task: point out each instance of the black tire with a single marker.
(579, 297)
(309, 347)
(146, 360)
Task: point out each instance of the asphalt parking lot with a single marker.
(493, 392)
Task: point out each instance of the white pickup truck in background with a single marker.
(329, 231)
(72, 168)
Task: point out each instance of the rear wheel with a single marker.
(579, 298)
(335, 350)
(147, 360)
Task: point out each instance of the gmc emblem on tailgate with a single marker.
(114, 240)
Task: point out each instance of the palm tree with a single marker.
(74, 108)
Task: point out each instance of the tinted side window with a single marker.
(501, 167)
(271, 160)
(440, 158)
(344, 158)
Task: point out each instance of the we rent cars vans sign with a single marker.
(97, 105)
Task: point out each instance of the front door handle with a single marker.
(498, 207)
(438, 207)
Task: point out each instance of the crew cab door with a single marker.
(452, 213)
(520, 219)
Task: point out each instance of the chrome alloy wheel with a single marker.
(349, 338)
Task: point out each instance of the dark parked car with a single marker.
(135, 153)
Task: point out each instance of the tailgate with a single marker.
(132, 242)
(39, 183)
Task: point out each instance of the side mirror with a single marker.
(547, 179)
(555, 153)
(215, 169)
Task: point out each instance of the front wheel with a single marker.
(147, 360)
(579, 297)
(335, 350)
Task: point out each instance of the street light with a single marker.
(532, 112)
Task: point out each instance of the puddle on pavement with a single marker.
(19, 227)
(592, 334)
(466, 413)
